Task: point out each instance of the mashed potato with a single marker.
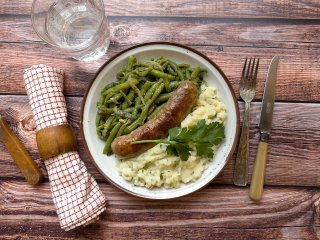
(155, 168)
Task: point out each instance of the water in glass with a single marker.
(78, 27)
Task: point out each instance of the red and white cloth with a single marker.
(76, 194)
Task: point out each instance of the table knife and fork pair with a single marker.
(247, 92)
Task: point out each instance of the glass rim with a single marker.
(51, 43)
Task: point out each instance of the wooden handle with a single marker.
(257, 181)
(26, 164)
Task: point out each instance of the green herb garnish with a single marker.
(202, 137)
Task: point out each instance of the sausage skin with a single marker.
(171, 114)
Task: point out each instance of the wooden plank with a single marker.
(157, 233)
(283, 212)
(190, 31)
(293, 150)
(297, 76)
(212, 9)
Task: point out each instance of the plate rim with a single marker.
(83, 102)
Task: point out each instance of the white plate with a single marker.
(180, 54)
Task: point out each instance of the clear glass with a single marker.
(77, 27)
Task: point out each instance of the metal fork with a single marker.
(247, 92)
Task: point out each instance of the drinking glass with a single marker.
(77, 27)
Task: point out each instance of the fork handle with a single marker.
(241, 166)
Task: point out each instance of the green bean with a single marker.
(152, 108)
(120, 75)
(122, 128)
(129, 100)
(143, 79)
(144, 114)
(113, 123)
(135, 88)
(139, 121)
(129, 109)
(107, 97)
(167, 84)
(100, 127)
(165, 64)
(145, 87)
(142, 72)
(150, 64)
(132, 109)
(157, 92)
(163, 75)
(123, 114)
(155, 65)
(188, 74)
(161, 60)
(163, 97)
(108, 86)
(175, 67)
(115, 98)
(107, 147)
(107, 126)
(103, 110)
(121, 86)
(132, 126)
(174, 84)
(143, 91)
(98, 130)
(124, 78)
(184, 65)
(151, 91)
(196, 73)
(171, 71)
(131, 61)
(98, 118)
(101, 100)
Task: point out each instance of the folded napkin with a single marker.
(76, 194)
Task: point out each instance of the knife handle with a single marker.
(26, 164)
(257, 181)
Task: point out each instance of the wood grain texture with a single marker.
(285, 213)
(160, 233)
(192, 8)
(227, 32)
(292, 156)
(190, 31)
(298, 74)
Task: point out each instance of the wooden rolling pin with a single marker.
(26, 164)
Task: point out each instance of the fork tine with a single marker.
(251, 72)
(244, 69)
(256, 73)
(248, 69)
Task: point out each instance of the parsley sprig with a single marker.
(202, 137)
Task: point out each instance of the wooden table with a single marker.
(227, 32)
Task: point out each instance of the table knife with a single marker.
(26, 164)
(257, 181)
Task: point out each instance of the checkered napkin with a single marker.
(76, 195)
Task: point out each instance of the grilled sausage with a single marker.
(171, 114)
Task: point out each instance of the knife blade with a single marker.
(265, 124)
(26, 164)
